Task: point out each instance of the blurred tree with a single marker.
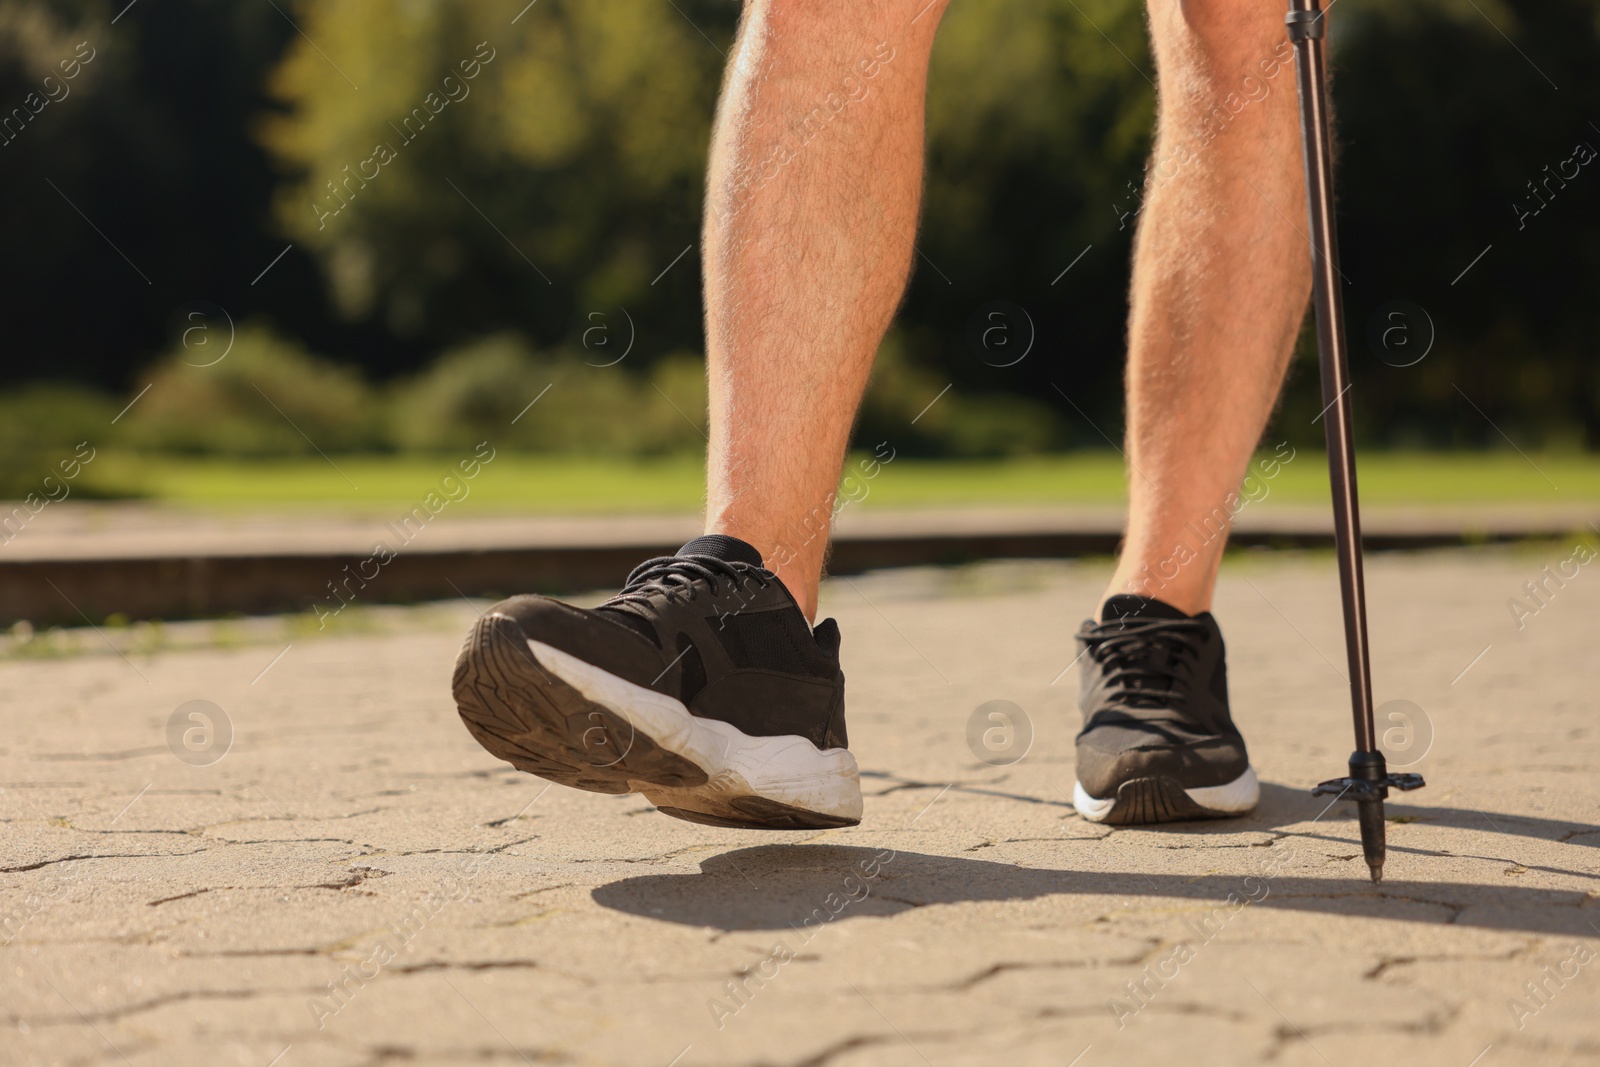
(569, 173)
(1039, 124)
(539, 168)
(564, 177)
(143, 188)
(1449, 109)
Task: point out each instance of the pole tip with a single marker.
(1377, 872)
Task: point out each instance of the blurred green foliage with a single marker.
(266, 396)
(557, 161)
(919, 412)
(500, 390)
(539, 172)
(40, 426)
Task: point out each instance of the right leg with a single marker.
(815, 179)
(701, 684)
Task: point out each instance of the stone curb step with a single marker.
(142, 564)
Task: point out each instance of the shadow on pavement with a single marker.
(772, 887)
(776, 886)
(1283, 805)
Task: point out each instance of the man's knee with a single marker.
(891, 20)
(1232, 33)
(1218, 57)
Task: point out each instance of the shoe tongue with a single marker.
(826, 635)
(723, 547)
(1131, 606)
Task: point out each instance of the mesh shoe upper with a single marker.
(717, 631)
(1154, 696)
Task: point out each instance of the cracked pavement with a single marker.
(355, 882)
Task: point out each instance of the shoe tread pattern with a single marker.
(759, 813)
(527, 716)
(1141, 801)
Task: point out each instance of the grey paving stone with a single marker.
(355, 882)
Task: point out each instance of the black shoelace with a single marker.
(682, 577)
(1145, 660)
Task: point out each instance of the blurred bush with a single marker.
(40, 426)
(499, 389)
(266, 397)
(921, 413)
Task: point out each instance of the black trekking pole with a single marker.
(1369, 781)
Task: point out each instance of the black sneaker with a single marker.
(1158, 743)
(699, 685)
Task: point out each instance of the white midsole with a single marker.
(787, 769)
(1230, 798)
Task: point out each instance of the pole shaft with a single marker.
(1335, 367)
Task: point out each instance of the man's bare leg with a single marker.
(816, 170)
(814, 187)
(1220, 283)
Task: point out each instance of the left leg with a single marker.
(1221, 277)
(1220, 280)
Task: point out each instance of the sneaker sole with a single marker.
(550, 713)
(509, 704)
(1160, 798)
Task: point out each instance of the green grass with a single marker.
(508, 483)
(566, 485)
(1384, 478)
(1449, 478)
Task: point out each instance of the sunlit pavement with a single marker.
(319, 866)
